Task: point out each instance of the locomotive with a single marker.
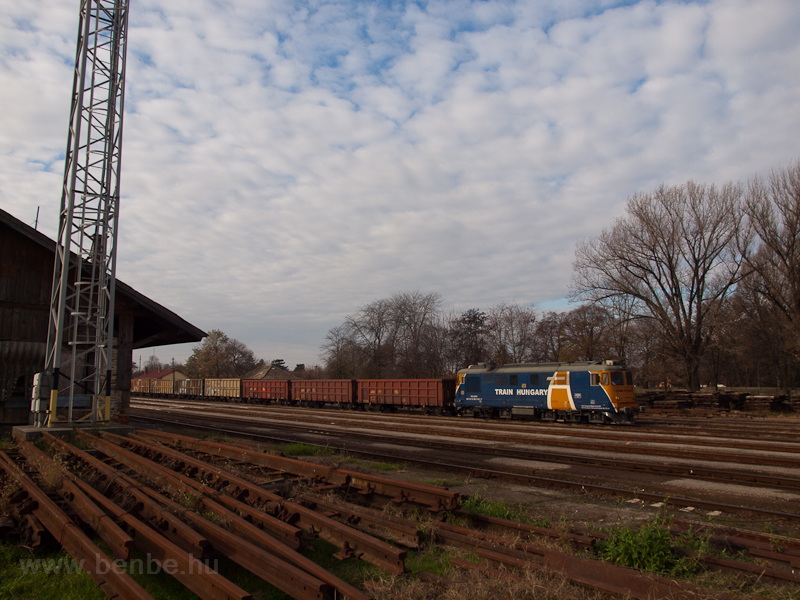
(594, 392)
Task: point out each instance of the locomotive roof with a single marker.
(594, 365)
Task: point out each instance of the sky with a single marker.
(285, 163)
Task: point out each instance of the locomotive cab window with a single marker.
(513, 380)
(472, 383)
(605, 379)
(617, 378)
(534, 379)
(595, 378)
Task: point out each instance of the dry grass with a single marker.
(745, 586)
(49, 473)
(8, 492)
(476, 585)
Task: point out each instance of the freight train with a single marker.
(594, 392)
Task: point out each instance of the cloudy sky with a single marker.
(285, 163)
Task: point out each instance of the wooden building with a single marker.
(26, 278)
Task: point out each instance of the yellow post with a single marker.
(108, 409)
(52, 417)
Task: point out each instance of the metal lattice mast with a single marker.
(82, 301)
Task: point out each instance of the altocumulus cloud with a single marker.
(286, 162)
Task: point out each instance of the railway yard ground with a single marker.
(290, 502)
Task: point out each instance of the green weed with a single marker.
(19, 581)
(478, 505)
(649, 548)
(389, 466)
(300, 449)
(189, 501)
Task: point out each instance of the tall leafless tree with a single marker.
(510, 333)
(550, 338)
(414, 316)
(774, 209)
(586, 331)
(678, 253)
(468, 333)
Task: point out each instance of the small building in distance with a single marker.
(26, 278)
(270, 372)
(174, 374)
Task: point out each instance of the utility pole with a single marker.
(80, 335)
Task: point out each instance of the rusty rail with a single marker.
(179, 544)
(97, 565)
(514, 474)
(591, 573)
(273, 569)
(433, 497)
(352, 543)
(118, 541)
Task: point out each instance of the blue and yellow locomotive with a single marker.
(597, 392)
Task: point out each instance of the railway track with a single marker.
(592, 464)
(124, 488)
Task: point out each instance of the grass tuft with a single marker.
(300, 449)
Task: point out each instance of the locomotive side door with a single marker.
(559, 396)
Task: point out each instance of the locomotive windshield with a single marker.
(617, 378)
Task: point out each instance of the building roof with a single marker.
(269, 372)
(159, 374)
(154, 325)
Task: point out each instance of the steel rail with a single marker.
(155, 514)
(746, 478)
(268, 564)
(498, 427)
(271, 560)
(595, 574)
(521, 434)
(113, 581)
(118, 541)
(254, 561)
(165, 539)
(435, 498)
(507, 475)
(352, 543)
(290, 535)
(190, 571)
(693, 472)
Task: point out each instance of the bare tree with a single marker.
(549, 338)
(586, 331)
(510, 333)
(372, 328)
(392, 337)
(774, 208)
(677, 254)
(341, 353)
(153, 364)
(468, 334)
(413, 315)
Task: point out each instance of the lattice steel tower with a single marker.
(81, 330)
